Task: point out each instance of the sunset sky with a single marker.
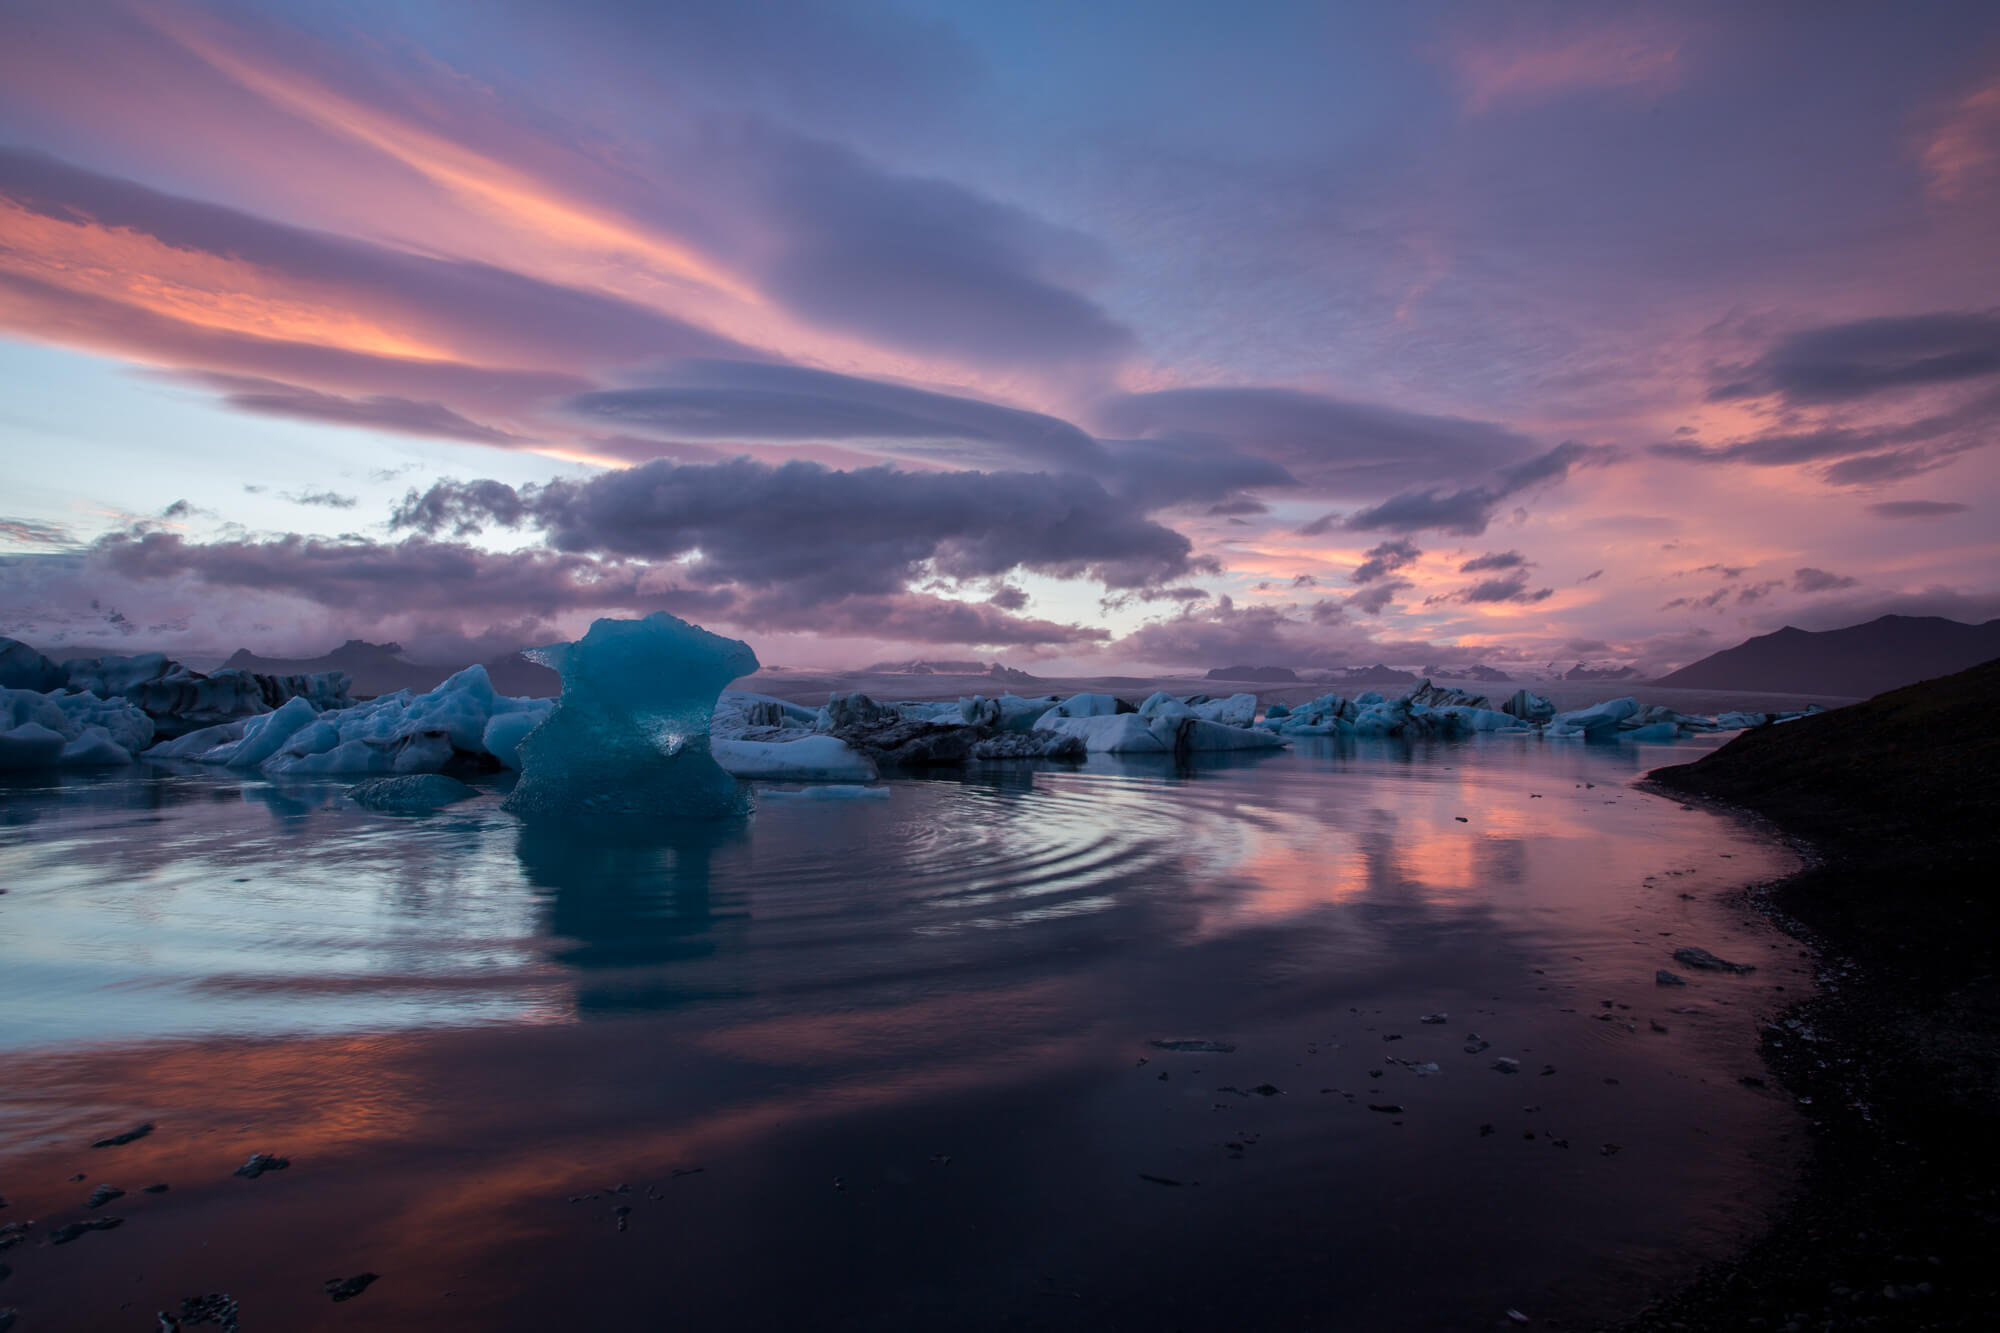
(1082, 337)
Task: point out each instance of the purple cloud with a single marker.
(1327, 443)
(1384, 559)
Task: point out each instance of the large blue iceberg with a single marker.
(629, 736)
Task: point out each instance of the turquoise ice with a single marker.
(629, 736)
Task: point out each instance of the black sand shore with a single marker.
(1896, 1063)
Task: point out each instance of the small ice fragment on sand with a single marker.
(131, 1135)
(260, 1162)
(1704, 959)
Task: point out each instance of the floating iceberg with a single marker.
(629, 735)
(178, 698)
(461, 722)
(809, 759)
(829, 792)
(1164, 732)
(1091, 705)
(1596, 720)
(50, 730)
(1118, 733)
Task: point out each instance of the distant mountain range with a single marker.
(1265, 675)
(381, 668)
(1859, 661)
(994, 670)
(1477, 671)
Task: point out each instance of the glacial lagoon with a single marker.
(1358, 1034)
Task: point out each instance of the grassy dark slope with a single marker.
(1898, 1222)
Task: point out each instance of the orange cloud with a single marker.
(204, 290)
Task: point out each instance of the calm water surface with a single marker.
(891, 1064)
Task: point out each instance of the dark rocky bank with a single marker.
(1896, 1063)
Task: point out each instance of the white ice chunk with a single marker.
(265, 735)
(1238, 710)
(1186, 734)
(504, 732)
(94, 749)
(1088, 705)
(1009, 712)
(831, 792)
(1598, 719)
(91, 731)
(196, 744)
(1484, 719)
(1119, 733)
(813, 759)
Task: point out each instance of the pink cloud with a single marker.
(1538, 67)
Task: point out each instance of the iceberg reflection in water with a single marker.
(947, 1000)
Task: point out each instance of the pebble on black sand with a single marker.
(218, 1308)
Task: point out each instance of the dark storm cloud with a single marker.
(1493, 560)
(1383, 559)
(1467, 511)
(912, 617)
(1326, 442)
(475, 305)
(921, 264)
(1916, 508)
(1509, 587)
(820, 534)
(1865, 357)
(1371, 601)
(751, 401)
(1819, 580)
